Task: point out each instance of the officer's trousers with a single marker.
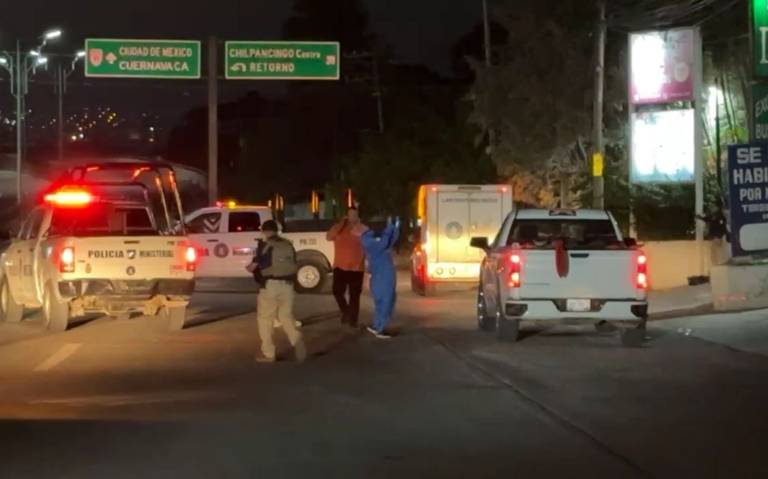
(276, 301)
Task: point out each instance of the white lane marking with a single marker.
(58, 357)
(132, 399)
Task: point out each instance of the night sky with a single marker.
(421, 31)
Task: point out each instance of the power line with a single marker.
(631, 15)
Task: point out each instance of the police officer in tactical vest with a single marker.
(274, 268)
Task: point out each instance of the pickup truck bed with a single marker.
(567, 266)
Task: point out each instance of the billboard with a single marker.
(663, 147)
(748, 192)
(662, 66)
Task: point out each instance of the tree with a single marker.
(538, 97)
(472, 46)
(424, 143)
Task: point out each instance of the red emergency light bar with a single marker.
(70, 198)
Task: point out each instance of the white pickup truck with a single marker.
(226, 236)
(97, 249)
(561, 265)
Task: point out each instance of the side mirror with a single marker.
(630, 242)
(480, 243)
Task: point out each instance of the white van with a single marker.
(449, 216)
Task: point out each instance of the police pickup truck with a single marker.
(561, 265)
(100, 247)
(227, 235)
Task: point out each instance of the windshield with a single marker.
(578, 234)
(103, 220)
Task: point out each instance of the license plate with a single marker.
(579, 305)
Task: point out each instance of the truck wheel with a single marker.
(484, 321)
(55, 312)
(416, 285)
(507, 330)
(10, 310)
(311, 276)
(633, 337)
(177, 317)
(429, 289)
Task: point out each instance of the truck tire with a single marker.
(177, 317)
(10, 310)
(55, 312)
(311, 275)
(416, 285)
(429, 289)
(484, 321)
(633, 337)
(507, 330)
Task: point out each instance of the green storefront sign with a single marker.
(282, 60)
(126, 58)
(760, 104)
(760, 37)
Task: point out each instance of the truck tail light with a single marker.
(67, 260)
(515, 271)
(190, 256)
(70, 198)
(642, 272)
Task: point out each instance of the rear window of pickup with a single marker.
(102, 220)
(577, 234)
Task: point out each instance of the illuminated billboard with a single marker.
(663, 147)
(662, 66)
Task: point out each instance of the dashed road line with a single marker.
(58, 357)
(543, 408)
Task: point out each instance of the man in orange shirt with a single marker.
(348, 267)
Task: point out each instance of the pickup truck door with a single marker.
(28, 250)
(205, 232)
(243, 234)
(12, 266)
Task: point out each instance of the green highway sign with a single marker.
(760, 37)
(125, 58)
(282, 60)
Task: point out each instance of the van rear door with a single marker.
(453, 226)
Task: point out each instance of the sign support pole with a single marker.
(698, 148)
(630, 111)
(213, 120)
(598, 181)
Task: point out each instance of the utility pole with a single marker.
(486, 34)
(21, 87)
(213, 120)
(487, 46)
(372, 75)
(598, 147)
(378, 93)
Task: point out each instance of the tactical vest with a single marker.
(283, 259)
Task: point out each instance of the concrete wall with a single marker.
(670, 263)
(739, 287)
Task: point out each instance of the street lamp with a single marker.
(62, 73)
(51, 34)
(21, 66)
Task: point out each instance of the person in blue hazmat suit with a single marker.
(381, 265)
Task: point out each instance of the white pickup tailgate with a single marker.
(129, 257)
(592, 275)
